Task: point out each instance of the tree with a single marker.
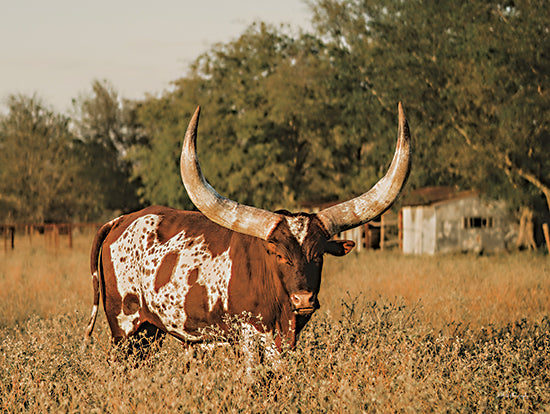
(289, 119)
(474, 77)
(280, 125)
(41, 177)
(107, 128)
(260, 123)
(257, 147)
(155, 157)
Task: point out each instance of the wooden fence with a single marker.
(380, 234)
(383, 233)
(54, 234)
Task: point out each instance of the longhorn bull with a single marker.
(161, 270)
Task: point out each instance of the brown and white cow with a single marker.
(162, 270)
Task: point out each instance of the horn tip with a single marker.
(193, 124)
(401, 111)
(403, 124)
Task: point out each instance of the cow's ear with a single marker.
(339, 247)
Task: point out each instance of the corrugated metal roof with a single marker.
(432, 195)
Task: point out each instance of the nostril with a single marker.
(295, 300)
(302, 300)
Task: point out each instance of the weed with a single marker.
(394, 334)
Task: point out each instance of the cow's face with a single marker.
(296, 248)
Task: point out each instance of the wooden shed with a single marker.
(442, 220)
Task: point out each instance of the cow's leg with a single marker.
(271, 355)
(250, 349)
(145, 341)
(139, 345)
(258, 348)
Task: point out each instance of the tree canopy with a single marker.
(39, 166)
(291, 118)
(474, 77)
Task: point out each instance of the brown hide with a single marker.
(263, 274)
(179, 272)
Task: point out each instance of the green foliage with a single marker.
(240, 144)
(474, 77)
(41, 176)
(155, 158)
(107, 128)
(294, 118)
(53, 170)
(271, 132)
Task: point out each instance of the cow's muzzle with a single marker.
(304, 303)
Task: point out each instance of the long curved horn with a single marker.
(379, 198)
(227, 213)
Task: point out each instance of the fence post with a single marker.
(546, 235)
(400, 229)
(9, 234)
(29, 229)
(56, 236)
(70, 230)
(382, 233)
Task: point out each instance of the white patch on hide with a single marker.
(126, 322)
(298, 226)
(95, 309)
(137, 256)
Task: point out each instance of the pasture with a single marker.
(394, 334)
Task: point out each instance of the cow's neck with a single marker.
(261, 284)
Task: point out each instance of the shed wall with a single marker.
(471, 224)
(465, 224)
(419, 230)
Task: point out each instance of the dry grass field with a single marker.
(394, 334)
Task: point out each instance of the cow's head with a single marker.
(296, 243)
(296, 247)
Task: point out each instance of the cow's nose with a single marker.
(303, 300)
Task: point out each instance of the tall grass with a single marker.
(38, 279)
(466, 289)
(394, 334)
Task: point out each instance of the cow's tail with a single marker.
(97, 273)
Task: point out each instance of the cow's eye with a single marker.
(281, 258)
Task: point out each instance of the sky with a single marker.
(56, 48)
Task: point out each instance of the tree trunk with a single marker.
(546, 236)
(526, 236)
